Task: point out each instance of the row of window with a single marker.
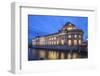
(75, 42)
(69, 36)
(62, 42)
(75, 36)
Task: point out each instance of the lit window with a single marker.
(69, 42)
(54, 43)
(80, 42)
(49, 42)
(62, 42)
(54, 38)
(79, 36)
(57, 42)
(49, 38)
(75, 36)
(69, 28)
(75, 42)
(69, 36)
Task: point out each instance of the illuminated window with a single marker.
(69, 36)
(54, 43)
(69, 42)
(50, 43)
(49, 38)
(69, 28)
(57, 42)
(75, 36)
(80, 42)
(62, 42)
(79, 36)
(75, 42)
(54, 38)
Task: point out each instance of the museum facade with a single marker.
(68, 35)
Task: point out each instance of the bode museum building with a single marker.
(67, 43)
(68, 36)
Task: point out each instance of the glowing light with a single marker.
(79, 36)
(62, 55)
(69, 28)
(69, 42)
(62, 42)
(69, 36)
(80, 42)
(75, 42)
(69, 56)
(53, 55)
(75, 36)
(42, 54)
(74, 56)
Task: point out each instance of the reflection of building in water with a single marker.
(42, 54)
(68, 35)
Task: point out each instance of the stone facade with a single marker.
(68, 35)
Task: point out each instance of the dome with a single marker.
(68, 26)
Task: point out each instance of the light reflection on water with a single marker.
(40, 54)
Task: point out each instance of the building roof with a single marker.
(68, 24)
(64, 28)
(76, 30)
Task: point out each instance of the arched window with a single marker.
(69, 42)
(75, 42)
(75, 36)
(79, 36)
(80, 42)
(62, 42)
(69, 36)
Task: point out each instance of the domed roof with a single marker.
(68, 26)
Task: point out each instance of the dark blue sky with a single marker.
(39, 25)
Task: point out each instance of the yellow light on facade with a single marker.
(52, 55)
(79, 36)
(74, 55)
(80, 42)
(54, 38)
(75, 42)
(62, 55)
(69, 36)
(69, 28)
(62, 42)
(54, 43)
(69, 42)
(42, 54)
(57, 42)
(75, 36)
(69, 56)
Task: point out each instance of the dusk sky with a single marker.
(39, 25)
